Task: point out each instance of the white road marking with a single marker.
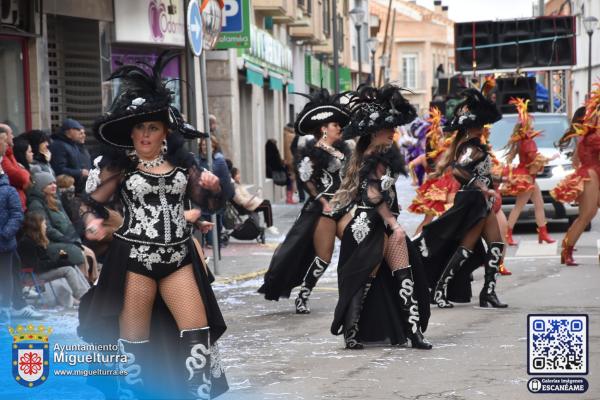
(533, 248)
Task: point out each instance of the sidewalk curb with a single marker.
(241, 277)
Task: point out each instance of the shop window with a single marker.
(12, 90)
(409, 71)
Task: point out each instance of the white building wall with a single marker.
(580, 71)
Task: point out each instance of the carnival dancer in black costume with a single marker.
(383, 294)
(452, 246)
(154, 296)
(306, 252)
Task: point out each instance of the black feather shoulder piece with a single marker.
(390, 157)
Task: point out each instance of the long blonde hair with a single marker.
(449, 155)
(512, 147)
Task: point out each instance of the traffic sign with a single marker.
(235, 30)
(194, 27)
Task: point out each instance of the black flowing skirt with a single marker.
(441, 238)
(380, 319)
(293, 256)
(165, 373)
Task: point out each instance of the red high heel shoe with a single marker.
(509, 238)
(543, 235)
(566, 255)
(503, 270)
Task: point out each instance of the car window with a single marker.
(552, 127)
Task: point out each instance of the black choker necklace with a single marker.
(152, 163)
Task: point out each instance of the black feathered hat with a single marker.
(143, 96)
(373, 109)
(474, 111)
(321, 109)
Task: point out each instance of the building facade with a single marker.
(421, 48)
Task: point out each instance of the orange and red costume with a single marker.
(432, 195)
(521, 179)
(588, 152)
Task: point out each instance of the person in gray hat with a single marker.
(67, 155)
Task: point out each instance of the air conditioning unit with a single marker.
(9, 12)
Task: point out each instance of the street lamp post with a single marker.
(372, 44)
(590, 24)
(211, 24)
(358, 14)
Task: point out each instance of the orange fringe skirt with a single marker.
(432, 195)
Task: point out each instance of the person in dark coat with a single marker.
(221, 170)
(67, 157)
(11, 217)
(48, 260)
(40, 143)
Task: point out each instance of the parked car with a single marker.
(553, 126)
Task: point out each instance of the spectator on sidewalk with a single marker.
(18, 176)
(276, 168)
(220, 169)
(60, 230)
(11, 218)
(251, 202)
(22, 152)
(66, 193)
(48, 260)
(67, 157)
(40, 142)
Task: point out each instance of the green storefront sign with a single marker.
(236, 27)
(269, 53)
(319, 74)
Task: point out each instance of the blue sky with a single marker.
(481, 10)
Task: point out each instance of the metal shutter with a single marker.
(74, 70)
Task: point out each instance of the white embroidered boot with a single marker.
(315, 271)
(196, 345)
(130, 382)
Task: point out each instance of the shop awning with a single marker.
(290, 87)
(254, 78)
(275, 83)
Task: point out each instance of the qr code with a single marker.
(557, 344)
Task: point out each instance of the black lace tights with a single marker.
(180, 293)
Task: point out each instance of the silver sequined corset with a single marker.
(329, 179)
(154, 205)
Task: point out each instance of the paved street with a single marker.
(272, 353)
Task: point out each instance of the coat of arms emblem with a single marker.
(30, 354)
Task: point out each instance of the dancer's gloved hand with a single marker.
(209, 181)
(204, 226)
(192, 215)
(94, 230)
(398, 234)
(326, 206)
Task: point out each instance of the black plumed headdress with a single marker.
(321, 109)
(373, 109)
(143, 96)
(474, 111)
